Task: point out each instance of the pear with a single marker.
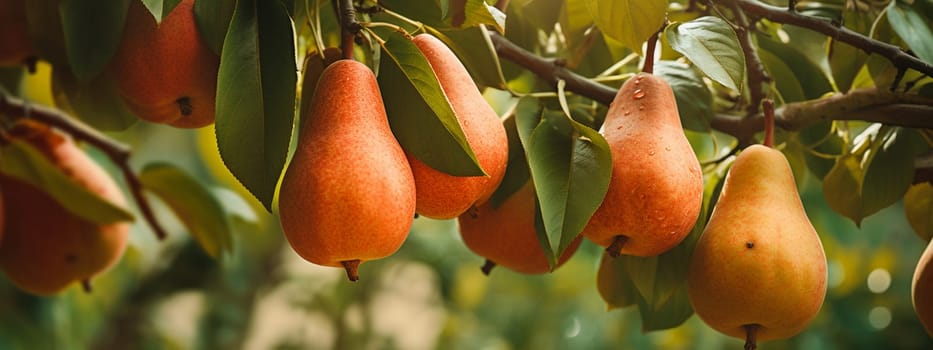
(348, 195)
(166, 72)
(45, 248)
(922, 289)
(759, 269)
(656, 189)
(15, 48)
(441, 195)
(506, 235)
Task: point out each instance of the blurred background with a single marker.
(430, 295)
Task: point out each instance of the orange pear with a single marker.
(14, 33)
(348, 195)
(759, 269)
(506, 235)
(165, 72)
(656, 189)
(441, 195)
(45, 247)
(922, 289)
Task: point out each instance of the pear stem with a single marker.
(487, 267)
(352, 267)
(751, 332)
(350, 25)
(649, 52)
(86, 285)
(768, 107)
(615, 248)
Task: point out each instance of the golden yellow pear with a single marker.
(45, 248)
(759, 264)
(656, 189)
(922, 289)
(348, 195)
(441, 195)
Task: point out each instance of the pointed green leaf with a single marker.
(213, 18)
(22, 162)
(694, 100)
(419, 113)
(256, 95)
(813, 81)
(160, 8)
(93, 30)
(194, 204)
(672, 313)
(614, 284)
(845, 60)
(874, 174)
(630, 22)
(913, 28)
(711, 44)
(517, 172)
(97, 102)
(571, 166)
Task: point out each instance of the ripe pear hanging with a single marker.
(922, 289)
(506, 235)
(759, 269)
(165, 72)
(656, 189)
(348, 195)
(441, 195)
(45, 247)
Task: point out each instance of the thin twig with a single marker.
(757, 75)
(895, 54)
(118, 153)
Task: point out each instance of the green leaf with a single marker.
(571, 166)
(694, 100)
(160, 8)
(630, 22)
(45, 30)
(194, 205)
(872, 175)
(469, 13)
(24, 163)
(419, 113)
(711, 44)
(93, 30)
(10, 80)
(213, 19)
(256, 96)
(845, 60)
(912, 28)
(474, 49)
(97, 102)
(517, 172)
(918, 206)
(614, 284)
(813, 81)
(672, 313)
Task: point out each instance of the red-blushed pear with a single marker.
(165, 72)
(45, 248)
(656, 189)
(14, 35)
(348, 195)
(441, 195)
(922, 289)
(758, 270)
(506, 235)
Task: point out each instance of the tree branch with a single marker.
(757, 75)
(895, 54)
(872, 104)
(118, 153)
